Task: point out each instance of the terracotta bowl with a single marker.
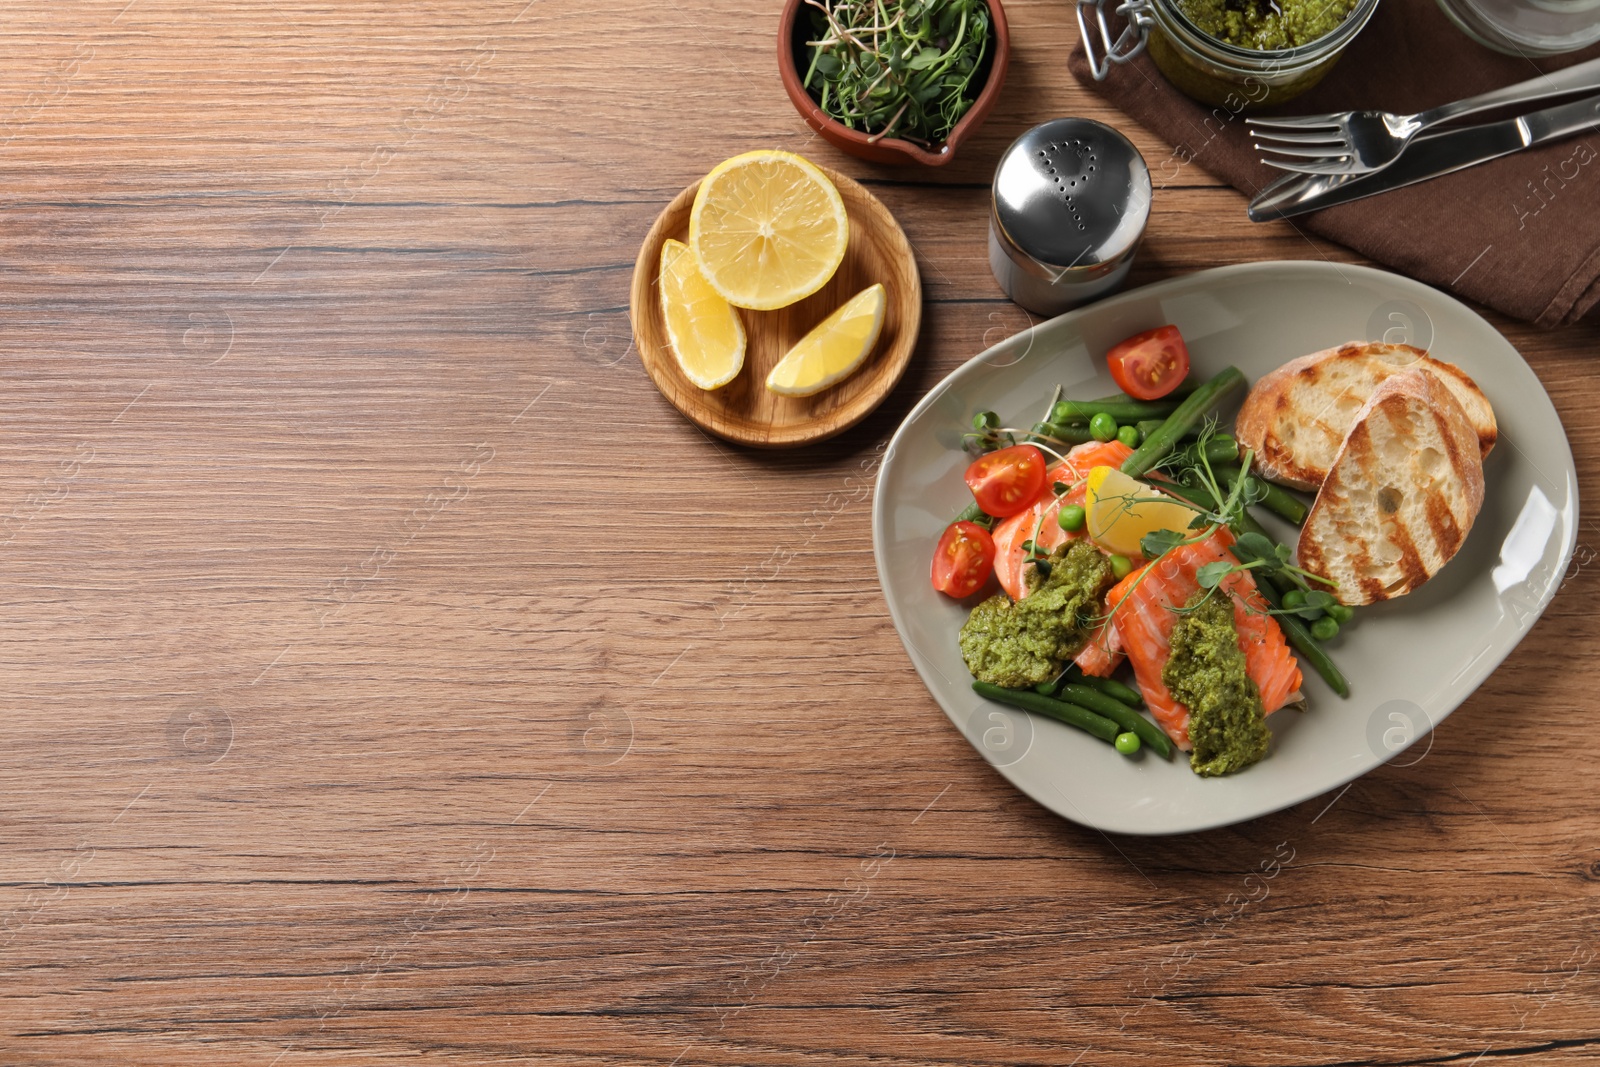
(791, 58)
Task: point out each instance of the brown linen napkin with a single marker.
(1520, 234)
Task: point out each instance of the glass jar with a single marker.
(1527, 27)
(1209, 70)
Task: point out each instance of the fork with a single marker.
(1358, 142)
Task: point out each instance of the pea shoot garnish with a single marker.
(897, 68)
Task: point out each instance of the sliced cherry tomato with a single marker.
(964, 559)
(1149, 365)
(1006, 482)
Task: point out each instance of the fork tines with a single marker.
(1296, 140)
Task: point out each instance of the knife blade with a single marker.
(1427, 157)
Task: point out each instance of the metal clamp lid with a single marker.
(1128, 44)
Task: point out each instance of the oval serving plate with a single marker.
(1410, 662)
(744, 411)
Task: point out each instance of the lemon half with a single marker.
(834, 349)
(768, 228)
(1120, 510)
(703, 331)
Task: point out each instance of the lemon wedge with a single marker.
(1119, 511)
(834, 349)
(703, 331)
(768, 228)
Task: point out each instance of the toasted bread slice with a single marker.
(1297, 416)
(1402, 494)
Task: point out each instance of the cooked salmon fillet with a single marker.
(1103, 654)
(1100, 656)
(1141, 611)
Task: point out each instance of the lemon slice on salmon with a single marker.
(834, 349)
(1120, 510)
(768, 228)
(703, 331)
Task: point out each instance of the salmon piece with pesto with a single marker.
(1102, 654)
(1142, 607)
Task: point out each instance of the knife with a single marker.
(1426, 157)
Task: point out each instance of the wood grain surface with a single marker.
(391, 675)
(745, 411)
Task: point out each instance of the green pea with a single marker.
(1130, 436)
(986, 420)
(1121, 566)
(1325, 629)
(1294, 599)
(1340, 613)
(1127, 743)
(1103, 427)
(1070, 518)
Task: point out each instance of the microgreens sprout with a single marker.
(1037, 554)
(897, 68)
(978, 442)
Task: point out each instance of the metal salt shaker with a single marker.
(1071, 199)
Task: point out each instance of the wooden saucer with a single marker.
(743, 410)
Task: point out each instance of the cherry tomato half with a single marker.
(1149, 365)
(1008, 481)
(964, 559)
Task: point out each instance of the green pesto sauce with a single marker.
(1207, 674)
(1266, 25)
(1028, 642)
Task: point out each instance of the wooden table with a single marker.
(390, 675)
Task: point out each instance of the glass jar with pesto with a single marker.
(1237, 54)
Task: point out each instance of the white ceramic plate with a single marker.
(1410, 662)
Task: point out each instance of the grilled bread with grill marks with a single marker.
(1402, 493)
(1297, 416)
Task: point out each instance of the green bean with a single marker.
(1119, 713)
(1300, 637)
(1219, 450)
(1071, 714)
(1150, 426)
(1112, 687)
(1274, 498)
(1193, 408)
(973, 513)
(1121, 410)
(1072, 435)
(1053, 686)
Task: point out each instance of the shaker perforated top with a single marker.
(1070, 194)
